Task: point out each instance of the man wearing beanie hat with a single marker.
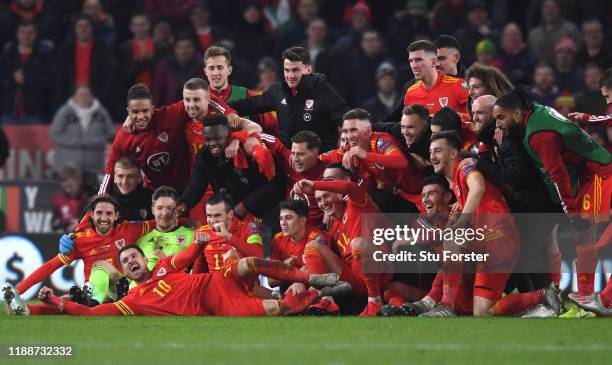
(486, 53)
(386, 95)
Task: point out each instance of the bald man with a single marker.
(482, 116)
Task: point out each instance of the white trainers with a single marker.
(14, 303)
(539, 311)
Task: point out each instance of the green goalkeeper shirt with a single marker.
(170, 243)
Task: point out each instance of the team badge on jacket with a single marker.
(309, 104)
(163, 136)
(443, 101)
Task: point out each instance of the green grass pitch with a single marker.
(314, 340)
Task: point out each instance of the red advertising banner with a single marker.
(29, 154)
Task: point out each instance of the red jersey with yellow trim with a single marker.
(91, 247)
(448, 91)
(167, 292)
(246, 239)
(283, 247)
(375, 174)
(492, 213)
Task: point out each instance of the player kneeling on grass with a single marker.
(169, 290)
(482, 207)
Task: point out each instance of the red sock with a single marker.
(516, 303)
(436, 288)
(393, 296)
(554, 268)
(450, 288)
(586, 263)
(371, 279)
(37, 309)
(297, 303)
(606, 295)
(314, 262)
(277, 270)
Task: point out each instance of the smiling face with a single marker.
(293, 71)
(134, 264)
(196, 102)
(412, 127)
(442, 157)
(126, 179)
(216, 139)
(303, 158)
(218, 213)
(164, 211)
(104, 217)
(506, 119)
(435, 199)
(140, 112)
(357, 132)
(477, 88)
(217, 71)
(292, 225)
(328, 201)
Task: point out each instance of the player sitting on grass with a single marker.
(435, 198)
(354, 248)
(288, 246)
(99, 237)
(243, 235)
(169, 290)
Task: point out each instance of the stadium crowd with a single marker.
(293, 129)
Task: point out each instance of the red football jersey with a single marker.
(91, 247)
(283, 247)
(447, 91)
(373, 173)
(246, 239)
(349, 226)
(281, 156)
(167, 292)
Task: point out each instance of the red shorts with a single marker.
(225, 296)
(351, 273)
(490, 285)
(594, 198)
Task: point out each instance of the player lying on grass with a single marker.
(97, 238)
(169, 290)
(482, 207)
(354, 248)
(167, 238)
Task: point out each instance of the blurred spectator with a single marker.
(478, 27)
(268, 74)
(138, 55)
(163, 39)
(83, 61)
(316, 43)
(295, 32)
(104, 24)
(80, 130)
(172, 72)
(25, 10)
(206, 33)
(449, 55)
(568, 76)
(593, 49)
(589, 99)
(174, 11)
(4, 148)
(515, 56)
(565, 103)
(447, 16)
(69, 203)
(360, 17)
(553, 27)
(250, 36)
(360, 69)
(486, 54)
(277, 14)
(25, 78)
(405, 25)
(544, 90)
(386, 93)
